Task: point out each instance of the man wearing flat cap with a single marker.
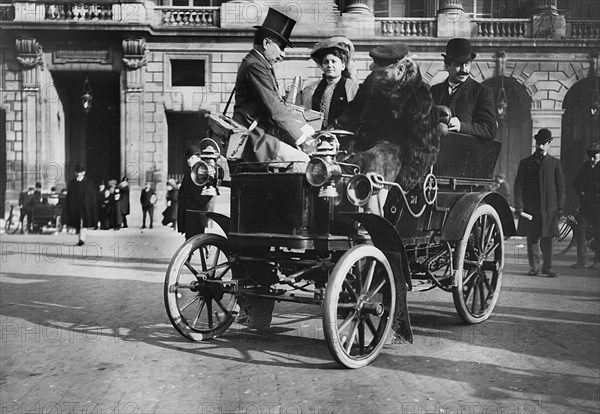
(190, 200)
(278, 134)
(587, 186)
(397, 130)
(540, 192)
(471, 103)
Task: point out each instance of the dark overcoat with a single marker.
(190, 202)
(541, 197)
(80, 204)
(170, 213)
(398, 130)
(473, 105)
(257, 98)
(587, 185)
(125, 205)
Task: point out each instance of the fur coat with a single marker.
(399, 132)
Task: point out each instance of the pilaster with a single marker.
(132, 111)
(31, 59)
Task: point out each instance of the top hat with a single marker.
(459, 50)
(543, 136)
(384, 56)
(278, 25)
(79, 168)
(209, 152)
(193, 150)
(594, 148)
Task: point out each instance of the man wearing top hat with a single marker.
(471, 103)
(540, 191)
(587, 186)
(278, 135)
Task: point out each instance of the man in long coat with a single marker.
(278, 134)
(471, 103)
(540, 191)
(80, 204)
(587, 186)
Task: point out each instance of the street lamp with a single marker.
(86, 96)
(502, 106)
(595, 107)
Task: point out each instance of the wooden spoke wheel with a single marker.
(565, 240)
(359, 306)
(199, 288)
(12, 223)
(480, 260)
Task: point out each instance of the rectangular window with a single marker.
(186, 72)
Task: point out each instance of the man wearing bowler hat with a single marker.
(540, 191)
(80, 204)
(471, 103)
(587, 186)
(278, 136)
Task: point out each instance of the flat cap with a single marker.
(384, 56)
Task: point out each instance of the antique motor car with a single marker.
(308, 238)
(45, 215)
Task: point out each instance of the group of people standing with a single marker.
(113, 204)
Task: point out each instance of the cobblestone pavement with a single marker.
(84, 330)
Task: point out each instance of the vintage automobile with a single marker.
(307, 238)
(45, 215)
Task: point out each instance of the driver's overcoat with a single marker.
(539, 191)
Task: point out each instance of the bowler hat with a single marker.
(79, 168)
(594, 148)
(324, 47)
(459, 50)
(193, 150)
(384, 56)
(543, 136)
(278, 25)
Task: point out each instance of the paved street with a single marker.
(84, 330)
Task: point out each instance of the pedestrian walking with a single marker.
(80, 204)
(540, 192)
(25, 207)
(125, 205)
(587, 186)
(147, 199)
(170, 213)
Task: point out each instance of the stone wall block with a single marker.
(566, 68)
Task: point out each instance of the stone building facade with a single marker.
(155, 71)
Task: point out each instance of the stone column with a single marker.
(547, 23)
(452, 20)
(132, 111)
(357, 6)
(30, 57)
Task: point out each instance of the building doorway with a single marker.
(185, 129)
(91, 138)
(514, 131)
(579, 129)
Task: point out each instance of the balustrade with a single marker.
(584, 29)
(190, 16)
(79, 11)
(407, 27)
(511, 28)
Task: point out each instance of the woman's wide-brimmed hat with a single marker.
(279, 25)
(340, 43)
(459, 50)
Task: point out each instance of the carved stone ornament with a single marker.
(135, 53)
(29, 52)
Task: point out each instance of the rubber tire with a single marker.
(332, 294)
(459, 256)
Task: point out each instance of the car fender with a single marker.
(221, 219)
(456, 222)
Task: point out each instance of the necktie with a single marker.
(453, 88)
(326, 102)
